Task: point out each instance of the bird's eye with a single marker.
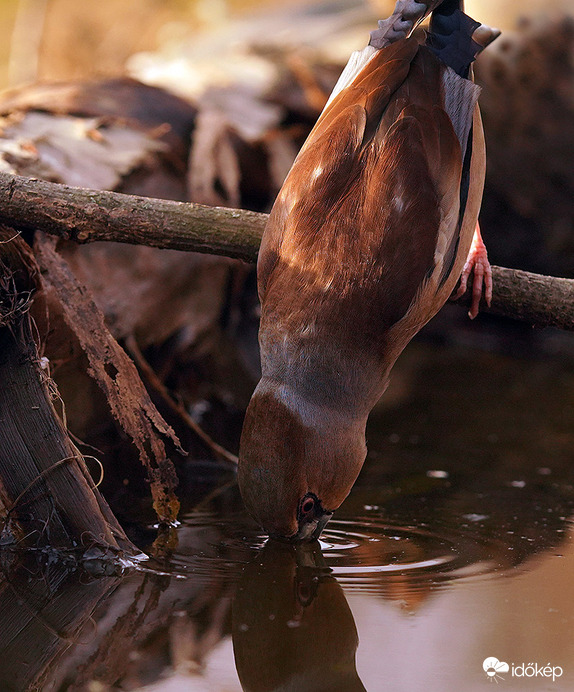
(308, 506)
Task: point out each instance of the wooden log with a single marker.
(47, 496)
(88, 215)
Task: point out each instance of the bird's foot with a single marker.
(478, 264)
(406, 15)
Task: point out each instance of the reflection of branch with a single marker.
(43, 609)
(89, 215)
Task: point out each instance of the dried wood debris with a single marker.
(114, 135)
(47, 497)
(109, 134)
(85, 152)
(117, 376)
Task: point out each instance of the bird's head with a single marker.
(297, 463)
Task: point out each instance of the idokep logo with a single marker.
(494, 669)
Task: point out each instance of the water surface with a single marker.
(455, 546)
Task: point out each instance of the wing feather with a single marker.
(316, 181)
(371, 209)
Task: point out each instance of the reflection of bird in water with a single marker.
(365, 243)
(292, 626)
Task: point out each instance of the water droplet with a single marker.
(518, 484)
(437, 474)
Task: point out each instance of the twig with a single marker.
(176, 407)
(216, 492)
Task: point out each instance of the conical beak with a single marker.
(311, 530)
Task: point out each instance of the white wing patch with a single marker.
(357, 61)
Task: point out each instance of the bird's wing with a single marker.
(320, 173)
(372, 203)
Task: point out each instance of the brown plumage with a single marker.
(365, 243)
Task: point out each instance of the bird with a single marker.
(375, 224)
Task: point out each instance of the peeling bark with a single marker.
(47, 496)
(116, 375)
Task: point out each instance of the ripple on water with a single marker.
(211, 546)
(363, 553)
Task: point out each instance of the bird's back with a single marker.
(373, 223)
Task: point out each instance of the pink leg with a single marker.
(476, 262)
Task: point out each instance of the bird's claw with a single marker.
(476, 263)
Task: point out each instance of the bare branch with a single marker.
(544, 301)
(89, 215)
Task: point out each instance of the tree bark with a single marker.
(47, 497)
(116, 375)
(88, 215)
(544, 301)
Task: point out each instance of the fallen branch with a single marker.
(89, 215)
(544, 301)
(86, 216)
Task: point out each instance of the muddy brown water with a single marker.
(449, 567)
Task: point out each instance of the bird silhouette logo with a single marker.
(493, 667)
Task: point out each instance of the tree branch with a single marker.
(543, 301)
(89, 215)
